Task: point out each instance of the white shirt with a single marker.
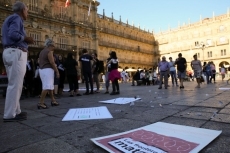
(222, 70)
(142, 75)
(155, 74)
(123, 74)
(172, 67)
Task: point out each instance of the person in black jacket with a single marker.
(95, 69)
(61, 70)
(29, 76)
(37, 79)
(71, 71)
(136, 77)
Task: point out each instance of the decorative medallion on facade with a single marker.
(63, 30)
(34, 24)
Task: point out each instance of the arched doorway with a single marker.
(224, 63)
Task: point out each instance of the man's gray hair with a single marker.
(49, 42)
(18, 7)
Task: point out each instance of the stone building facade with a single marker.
(73, 29)
(70, 27)
(208, 38)
(134, 47)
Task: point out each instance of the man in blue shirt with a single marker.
(163, 68)
(15, 48)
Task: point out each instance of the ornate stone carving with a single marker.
(34, 24)
(63, 30)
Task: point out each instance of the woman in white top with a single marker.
(154, 77)
(222, 71)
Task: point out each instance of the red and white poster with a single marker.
(158, 138)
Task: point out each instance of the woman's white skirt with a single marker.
(47, 77)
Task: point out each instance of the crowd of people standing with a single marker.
(46, 74)
(177, 70)
(207, 71)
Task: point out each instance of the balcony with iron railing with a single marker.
(120, 34)
(45, 13)
(225, 42)
(64, 47)
(58, 47)
(121, 23)
(123, 47)
(90, 51)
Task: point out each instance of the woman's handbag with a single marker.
(201, 78)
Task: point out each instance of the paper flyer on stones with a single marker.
(158, 138)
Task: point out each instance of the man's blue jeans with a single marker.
(208, 75)
(173, 76)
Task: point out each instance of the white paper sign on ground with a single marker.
(120, 100)
(87, 114)
(224, 88)
(158, 138)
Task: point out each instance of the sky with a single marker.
(159, 15)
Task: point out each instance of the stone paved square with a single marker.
(44, 130)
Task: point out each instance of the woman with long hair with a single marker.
(29, 77)
(47, 68)
(204, 69)
(222, 72)
(37, 79)
(213, 68)
(114, 74)
(72, 77)
(61, 70)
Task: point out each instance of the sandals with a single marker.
(42, 106)
(54, 103)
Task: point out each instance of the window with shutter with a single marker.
(33, 4)
(63, 43)
(62, 12)
(36, 37)
(86, 44)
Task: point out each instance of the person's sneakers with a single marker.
(106, 92)
(91, 93)
(86, 93)
(132, 85)
(160, 88)
(166, 88)
(117, 92)
(15, 119)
